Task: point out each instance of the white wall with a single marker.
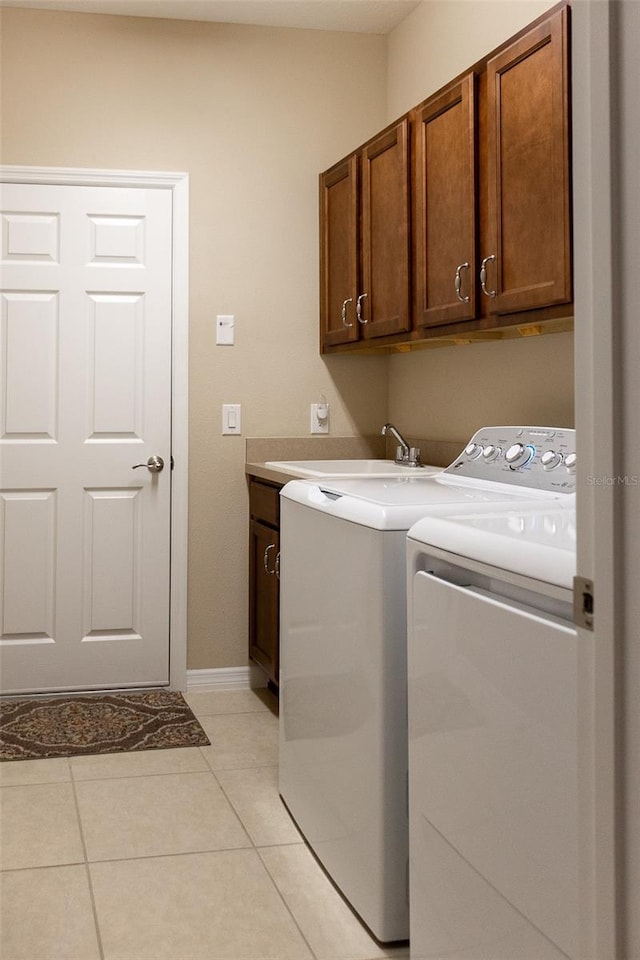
(449, 393)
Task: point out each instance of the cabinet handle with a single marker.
(359, 308)
(265, 560)
(483, 276)
(458, 282)
(344, 312)
(276, 569)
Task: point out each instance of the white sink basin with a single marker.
(349, 468)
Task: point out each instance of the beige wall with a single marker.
(448, 393)
(252, 114)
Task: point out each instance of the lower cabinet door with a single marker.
(264, 546)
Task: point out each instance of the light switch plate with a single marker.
(225, 329)
(231, 418)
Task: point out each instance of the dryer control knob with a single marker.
(519, 454)
(570, 462)
(550, 459)
(491, 453)
(473, 451)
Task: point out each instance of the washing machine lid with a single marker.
(397, 503)
(438, 488)
(536, 542)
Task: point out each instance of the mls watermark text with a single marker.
(625, 480)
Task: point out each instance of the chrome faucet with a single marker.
(409, 456)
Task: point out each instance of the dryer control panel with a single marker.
(540, 458)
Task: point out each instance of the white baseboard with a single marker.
(225, 678)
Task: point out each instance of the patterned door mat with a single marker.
(39, 727)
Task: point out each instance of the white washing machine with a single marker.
(343, 703)
(493, 666)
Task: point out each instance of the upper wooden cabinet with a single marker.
(386, 236)
(445, 207)
(528, 171)
(478, 239)
(339, 252)
(492, 186)
(365, 242)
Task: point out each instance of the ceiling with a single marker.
(359, 16)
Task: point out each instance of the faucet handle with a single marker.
(399, 455)
(414, 456)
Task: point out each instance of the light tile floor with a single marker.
(169, 854)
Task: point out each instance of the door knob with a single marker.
(153, 464)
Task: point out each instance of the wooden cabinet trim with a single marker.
(264, 502)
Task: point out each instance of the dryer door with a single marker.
(493, 776)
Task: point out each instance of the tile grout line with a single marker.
(264, 865)
(228, 713)
(285, 904)
(44, 866)
(167, 856)
(232, 805)
(94, 908)
(141, 776)
(136, 776)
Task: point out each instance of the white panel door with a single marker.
(85, 362)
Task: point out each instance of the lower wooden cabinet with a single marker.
(264, 584)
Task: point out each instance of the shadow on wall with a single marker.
(365, 409)
(448, 394)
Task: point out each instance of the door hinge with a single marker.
(583, 602)
(172, 461)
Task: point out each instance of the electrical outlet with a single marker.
(319, 418)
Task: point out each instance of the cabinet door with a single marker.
(529, 173)
(385, 234)
(339, 253)
(445, 216)
(264, 597)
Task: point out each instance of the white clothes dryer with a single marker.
(493, 667)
